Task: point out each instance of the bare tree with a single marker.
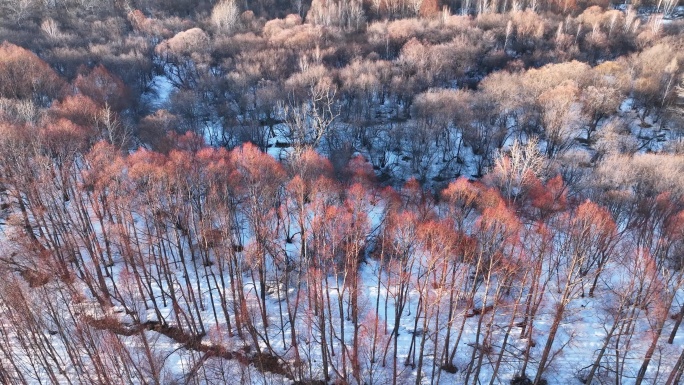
(225, 15)
(515, 170)
(310, 120)
(561, 117)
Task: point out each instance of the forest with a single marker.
(371, 192)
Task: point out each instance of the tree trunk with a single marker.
(678, 322)
(549, 343)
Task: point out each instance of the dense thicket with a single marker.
(362, 192)
(420, 88)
